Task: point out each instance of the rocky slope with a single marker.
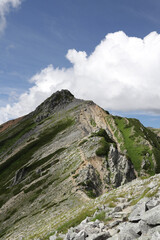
(133, 214)
(65, 153)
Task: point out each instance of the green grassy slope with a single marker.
(138, 142)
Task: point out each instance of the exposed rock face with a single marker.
(121, 168)
(90, 181)
(68, 151)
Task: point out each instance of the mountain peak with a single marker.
(58, 98)
(62, 94)
(56, 101)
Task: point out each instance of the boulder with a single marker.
(81, 235)
(152, 203)
(138, 211)
(143, 227)
(100, 236)
(117, 209)
(152, 216)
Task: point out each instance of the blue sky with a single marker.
(40, 32)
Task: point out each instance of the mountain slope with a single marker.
(61, 155)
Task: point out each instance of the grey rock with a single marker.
(143, 226)
(117, 209)
(156, 236)
(151, 231)
(114, 223)
(94, 224)
(91, 230)
(144, 237)
(54, 237)
(72, 235)
(81, 235)
(85, 220)
(152, 185)
(138, 211)
(100, 236)
(101, 226)
(128, 228)
(89, 180)
(113, 231)
(152, 203)
(122, 168)
(145, 164)
(67, 237)
(152, 216)
(123, 236)
(119, 215)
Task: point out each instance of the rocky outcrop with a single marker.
(121, 168)
(143, 224)
(123, 222)
(89, 181)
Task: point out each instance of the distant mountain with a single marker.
(66, 152)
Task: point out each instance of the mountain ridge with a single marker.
(64, 153)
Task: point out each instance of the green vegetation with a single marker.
(45, 159)
(35, 185)
(133, 133)
(48, 235)
(82, 142)
(100, 216)
(111, 205)
(111, 200)
(103, 149)
(3, 232)
(152, 193)
(10, 213)
(102, 133)
(104, 142)
(92, 122)
(90, 193)
(131, 136)
(156, 153)
(76, 220)
(135, 201)
(23, 156)
(10, 137)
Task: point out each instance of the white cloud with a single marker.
(123, 73)
(5, 7)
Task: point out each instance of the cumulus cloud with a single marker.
(122, 73)
(5, 7)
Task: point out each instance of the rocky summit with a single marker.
(70, 170)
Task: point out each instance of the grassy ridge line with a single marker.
(12, 164)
